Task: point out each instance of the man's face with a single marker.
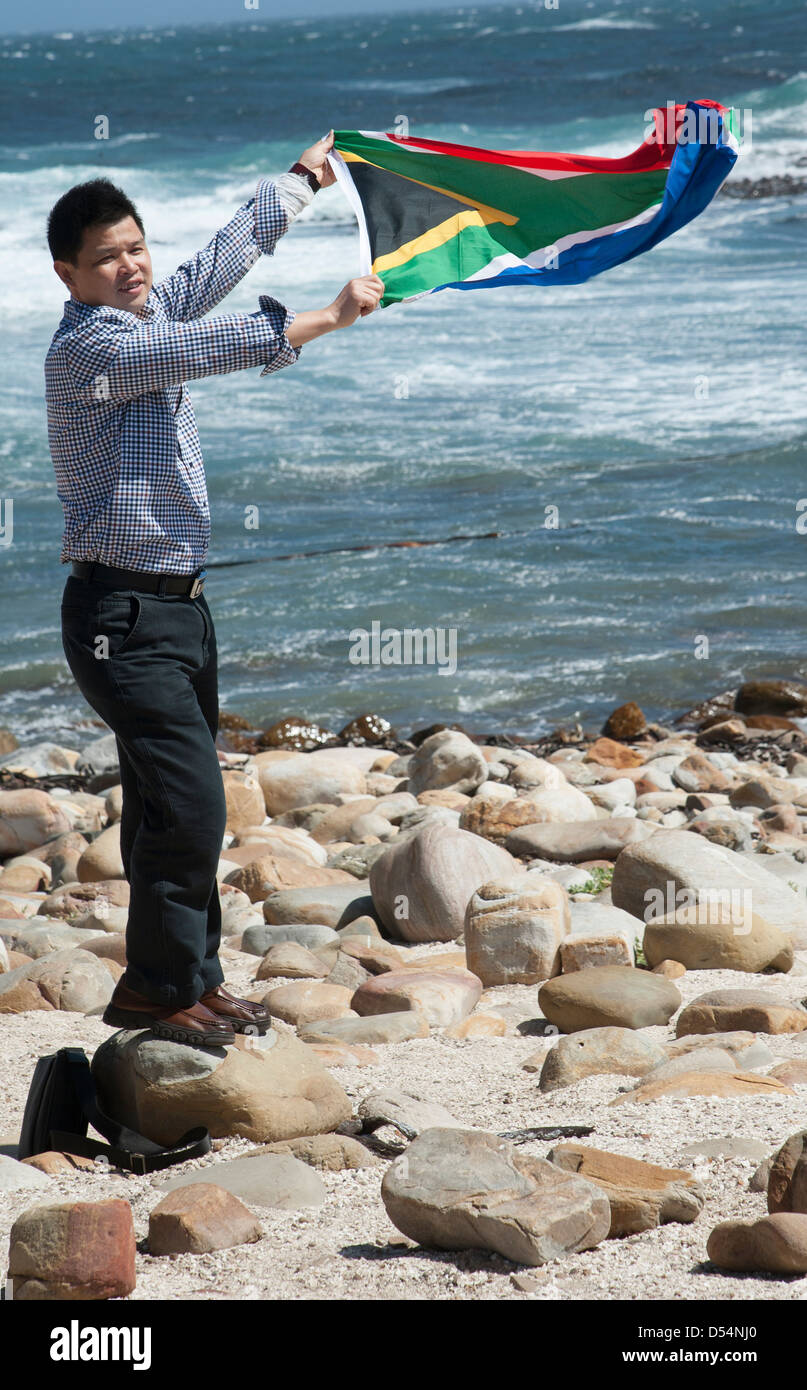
(113, 267)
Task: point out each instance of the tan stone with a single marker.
(595, 1052)
(69, 979)
(371, 1030)
(444, 796)
(375, 956)
(787, 1179)
(494, 819)
(478, 1026)
(24, 874)
(345, 1054)
(73, 1251)
(704, 1083)
(443, 997)
(583, 952)
(514, 928)
(301, 1003)
(754, 1011)
(670, 969)
(288, 960)
(608, 996)
(200, 1218)
(75, 899)
(421, 884)
(244, 798)
(715, 937)
(608, 753)
(642, 1195)
(337, 822)
(269, 873)
(330, 1153)
(775, 1244)
(301, 780)
(263, 1088)
(57, 1164)
(28, 818)
(791, 1073)
(101, 859)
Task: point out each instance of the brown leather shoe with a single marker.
(242, 1015)
(194, 1025)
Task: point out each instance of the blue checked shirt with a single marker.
(121, 427)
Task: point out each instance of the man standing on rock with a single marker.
(136, 628)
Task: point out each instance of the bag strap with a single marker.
(192, 1145)
(127, 1148)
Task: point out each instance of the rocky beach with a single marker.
(539, 1016)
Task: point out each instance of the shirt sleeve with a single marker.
(201, 282)
(117, 361)
(295, 193)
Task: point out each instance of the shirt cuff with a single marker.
(280, 319)
(271, 217)
(295, 193)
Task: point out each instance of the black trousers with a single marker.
(147, 664)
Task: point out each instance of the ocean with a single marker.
(660, 407)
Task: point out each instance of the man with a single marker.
(136, 628)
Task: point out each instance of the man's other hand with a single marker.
(315, 159)
(359, 298)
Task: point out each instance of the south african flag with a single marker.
(435, 216)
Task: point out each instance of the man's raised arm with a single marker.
(205, 279)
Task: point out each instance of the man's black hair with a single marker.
(96, 203)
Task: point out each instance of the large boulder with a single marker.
(330, 904)
(300, 780)
(27, 819)
(442, 997)
(579, 840)
(514, 928)
(457, 1189)
(72, 980)
(447, 759)
(599, 1052)
(76, 899)
(199, 1218)
(266, 873)
(102, 857)
(775, 1244)
(641, 1195)
(749, 1010)
(244, 799)
(608, 996)
(676, 868)
(73, 1251)
(265, 1089)
(706, 938)
(702, 1083)
(787, 1180)
(261, 1179)
(370, 1029)
(422, 884)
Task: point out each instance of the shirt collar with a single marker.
(75, 310)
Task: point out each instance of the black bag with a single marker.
(62, 1103)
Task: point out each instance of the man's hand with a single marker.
(359, 298)
(314, 158)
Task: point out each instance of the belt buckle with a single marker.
(198, 584)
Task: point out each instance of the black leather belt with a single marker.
(152, 582)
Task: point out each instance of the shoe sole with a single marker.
(244, 1026)
(126, 1018)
